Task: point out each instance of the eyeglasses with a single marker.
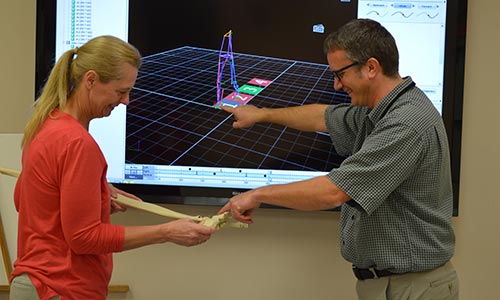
(340, 72)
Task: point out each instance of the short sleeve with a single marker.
(387, 158)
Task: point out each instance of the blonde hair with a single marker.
(106, 55)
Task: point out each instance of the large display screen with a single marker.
(173, 143)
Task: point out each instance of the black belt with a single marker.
(363, 274)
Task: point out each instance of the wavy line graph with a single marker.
(401, 13)
(428, 15)
(404, 15)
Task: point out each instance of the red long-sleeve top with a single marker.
(65, 239)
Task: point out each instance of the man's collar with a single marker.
(383, 106)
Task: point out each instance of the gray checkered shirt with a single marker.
(398, 176)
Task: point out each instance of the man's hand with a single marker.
(242, 206)
(244, 115)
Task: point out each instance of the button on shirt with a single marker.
(398, 177)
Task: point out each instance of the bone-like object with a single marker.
(9, 172)
(217, 221)
(223, 220)
(153, 208)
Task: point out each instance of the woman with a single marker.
(65, 239)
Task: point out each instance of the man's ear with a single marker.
(373, 67)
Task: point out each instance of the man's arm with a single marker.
(318, 193)
(309, 117)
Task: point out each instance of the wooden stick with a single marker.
(3, 241)
(5, 251)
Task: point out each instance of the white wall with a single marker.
(285, 254)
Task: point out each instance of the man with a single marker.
(394, 189)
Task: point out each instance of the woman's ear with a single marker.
(89, 78)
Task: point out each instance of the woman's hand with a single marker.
(115, 207)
